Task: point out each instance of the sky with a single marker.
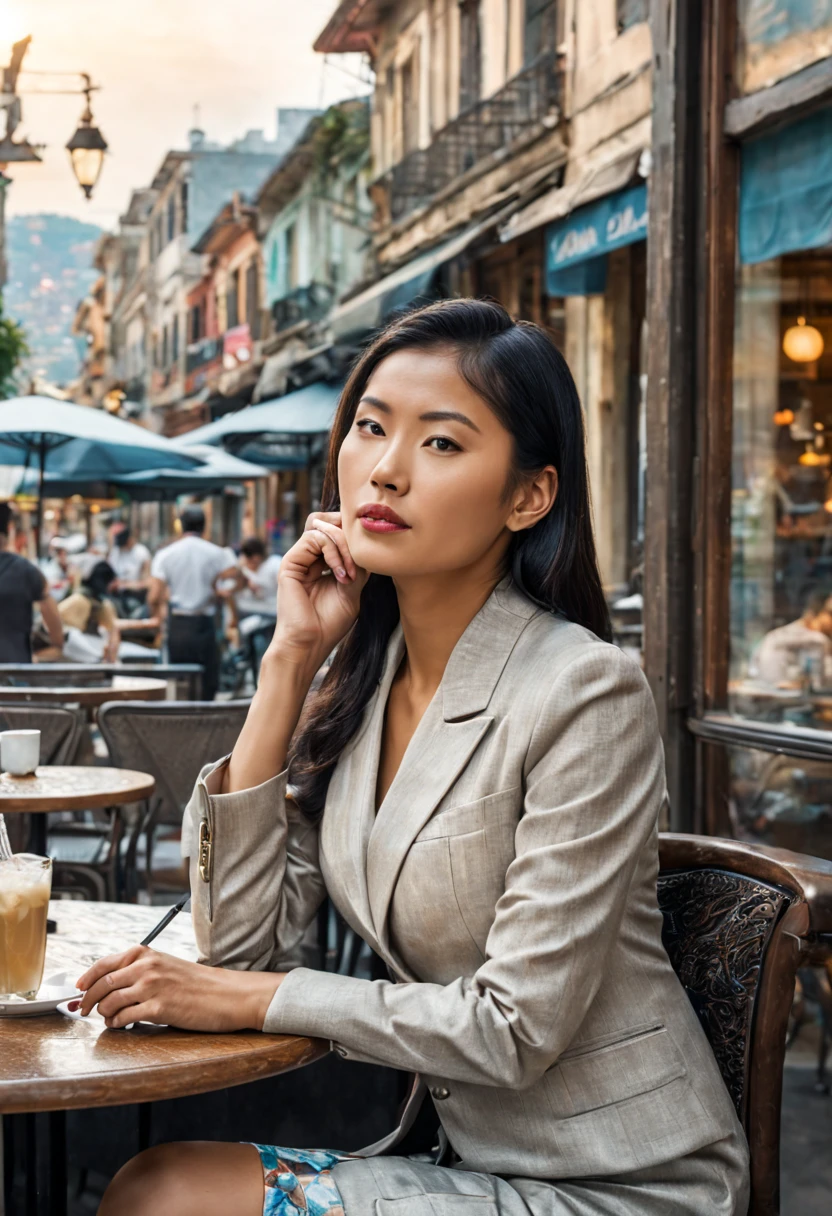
(155, 61)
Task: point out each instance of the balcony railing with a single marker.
(206, 350)
(310, 303)
(478, 132)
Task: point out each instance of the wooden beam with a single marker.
(715, 343)
(671, 389)
(803, 91)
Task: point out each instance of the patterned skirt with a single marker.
(299, 1180)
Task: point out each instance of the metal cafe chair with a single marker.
(172, 740)
(739, 920)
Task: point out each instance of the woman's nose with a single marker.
(388, 475)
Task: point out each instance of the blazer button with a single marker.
(440, 1093)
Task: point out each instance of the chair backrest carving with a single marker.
(717, 929)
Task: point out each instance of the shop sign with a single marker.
(598, 228)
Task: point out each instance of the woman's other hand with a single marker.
(144, 985)
(318, 592)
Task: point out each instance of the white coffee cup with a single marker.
(19, 752)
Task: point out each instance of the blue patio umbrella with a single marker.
(78, 442)
(308, 411)
(218, 470)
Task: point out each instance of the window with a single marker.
(164, 348)
(781, 540)
(539, 29)
(171, 222)
(174, 340)
(232, 312)
(631, 12)
(195, 323)
(470, 53)
(183, 207)
(291, 257)
(410, 105)
(252, 303)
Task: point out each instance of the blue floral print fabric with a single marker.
(299, 1180)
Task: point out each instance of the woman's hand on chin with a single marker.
(144, 985)
(318, 593)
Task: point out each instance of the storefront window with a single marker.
(778, 800)
(781, 584)
(781, 528)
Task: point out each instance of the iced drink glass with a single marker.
(25, 886)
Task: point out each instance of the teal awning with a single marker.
(786, 189)
(582, 240)
(307, 411)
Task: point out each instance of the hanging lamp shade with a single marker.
(802, 343)
(86, 152)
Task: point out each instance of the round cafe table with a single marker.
(56, 1064)
(121, 688)
(76, 787)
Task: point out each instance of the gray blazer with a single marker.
(509, 883)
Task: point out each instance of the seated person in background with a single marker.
(131, 561)
(783, 653)
(93, 618)
(256, 600)
(21, 586)
(58, 569)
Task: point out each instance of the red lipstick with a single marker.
(376, 517)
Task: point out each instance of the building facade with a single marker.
(511, 150)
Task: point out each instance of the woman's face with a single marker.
(427, 448)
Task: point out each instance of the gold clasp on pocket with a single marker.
(204, 851)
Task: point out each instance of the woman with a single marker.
(89, 612)
(477, 786)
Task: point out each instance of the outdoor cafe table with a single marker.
(121, 688)
(56, 1064)
(70, 787)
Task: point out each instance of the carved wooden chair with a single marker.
(739, 920)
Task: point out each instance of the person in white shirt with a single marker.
(186, 574)
(131, 561)
(255, 601)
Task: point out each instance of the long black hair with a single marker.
(519, 372)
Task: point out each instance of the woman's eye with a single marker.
(369, 424)
(444, 444)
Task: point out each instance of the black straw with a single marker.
(165, 921)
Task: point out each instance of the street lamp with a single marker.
(87, 146)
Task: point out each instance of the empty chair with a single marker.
(739, 919)
(172, 740)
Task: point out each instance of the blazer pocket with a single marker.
(437, 1203)
(473, 816)
(614, 1072)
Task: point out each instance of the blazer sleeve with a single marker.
(265, 883)
(594, 788)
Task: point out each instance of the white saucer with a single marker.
(53, 990)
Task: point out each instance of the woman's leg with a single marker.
(188, 1179)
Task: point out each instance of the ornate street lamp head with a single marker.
(87, 147)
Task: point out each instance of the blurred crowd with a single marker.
(191, 601)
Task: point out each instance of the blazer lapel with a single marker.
(444, 741)
(350, 805)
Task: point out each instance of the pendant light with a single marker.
(802, 343)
